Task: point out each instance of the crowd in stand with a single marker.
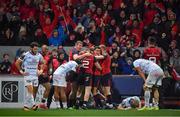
(122, 25)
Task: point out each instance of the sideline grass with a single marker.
(55, 112)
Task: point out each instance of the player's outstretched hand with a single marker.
(24, 73)
(88, 54)
(40, 72)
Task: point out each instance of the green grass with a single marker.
(55, 112)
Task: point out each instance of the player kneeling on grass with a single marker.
(153, 80)
(59, 81)
(130, 103)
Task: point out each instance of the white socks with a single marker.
(64, 105)
(29, 99)
(57, 104)
(147, 96)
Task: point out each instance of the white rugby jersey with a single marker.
(146, 65)
(31, 62)
(126, 102)
(66, 67)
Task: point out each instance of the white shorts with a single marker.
(33, 82)
(154, 78)
(59, 80)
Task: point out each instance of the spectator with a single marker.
(14, 69)
(86, 18)
(128, 37)
(26, 10)
(71, 39)
(79, 32)
(136, 7)
(125, 64)
(23, 39)
(122, 19)
(5, 66)
(116, 36)
(8, 37)
(178, 40)
(40, 37)
(60, 50)
(137, 28)
(150, 12)
(114, 48)
(172, 47)
(136, 54)
(55, 39)
(110, 28)
(175, 60)
(47, 24)
(93, 34)
(114, 63)
(61, 58)
(128, 50)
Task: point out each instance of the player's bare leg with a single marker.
(147, 96)
(63, 97)
(35, 89)
(107, 93)
(86, 96)
(79, 95)
(156, 99)
(56, 95)
(72, 95)
(97, 97)
(29, 98)
(45, 95)
(46, 92)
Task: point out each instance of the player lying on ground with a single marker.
(129, 103)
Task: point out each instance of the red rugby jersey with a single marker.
(153, 54)
(106, 65)
(88, 64)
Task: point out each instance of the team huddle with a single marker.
(89, 75)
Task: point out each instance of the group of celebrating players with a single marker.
(88, 73)
(84, 70)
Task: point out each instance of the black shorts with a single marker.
(96, 80)
(85, 79)
(106, 80)
(42, 79)
(74, 78)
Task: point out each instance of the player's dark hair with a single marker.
(78, 42)
(96, 47)
(34, 44)
(78, 61)
(5, 55)
(152, 40)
